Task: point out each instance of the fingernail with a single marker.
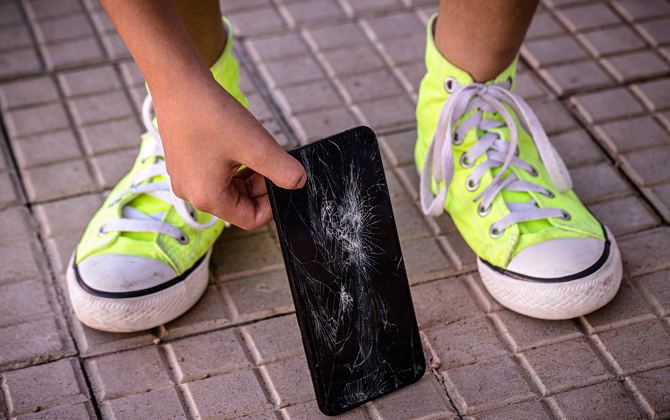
(303, 181)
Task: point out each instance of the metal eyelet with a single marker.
(549, 194)
(183, 239)
(450, 84)
(471, 185)
(533, 171)
(465, 164)
(101, 231)
(457, 141)
(517, 152)
(484, 211)
(495, 233)
(566, 216)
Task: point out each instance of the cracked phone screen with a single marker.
(347, 276)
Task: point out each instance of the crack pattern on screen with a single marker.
(344, 303)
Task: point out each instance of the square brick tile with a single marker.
(637, 345)
(19, 262)
(28, 92)
(77, 411)
(465, 342)
(577, 76)
(275, 338)
(214, 353)
(291, 380)
(369, 86)
(103, 107)
(658, 286)
(58, 180)
(426, 401)
(645, 252)
(32, 342)
(114, 46)
(591, 16)
(527, 333)
(247, 255)
(23, 301)
(156, 405)
(638, 65)
(625, 215)
(361, 6)
(92, 342)
(400, 147)
(531, 410)
(543, 25)
(260, 296)
(528, 87)
(565, 365)
(598, 182)
(632, 134)
(576, 148)
(243, 395)
(655, 388)
(255, 21)
(314, 10)
(36, 119)
(19, 62)
(555, 50)
(462, 256)
(553, 117)
(648, 167)
(658, 29)
(46, 148)
(640, 9)
(126, 373)
(409, 222)
(656, 93)
(660, 195)
(443, 301)
(310, 411)
(293, 70)
(8, 192)
(63, 28)
(112, 167)
(42, 9)
(396, 191)
(207, 314)
(112, 135)
(408, 49)
(354, 59)
(424, 260)
(487, 385)
(278, 47)
(85, 82)
(315, 125)
(15, 224)
(397, 25)
(388, 112)
(333, 37)
(309, 97)
(45, 386)
(607, 105)
(615, 40)
(10, 14)
(606, 400)
(73, 53)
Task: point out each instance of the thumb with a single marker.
(273, 162)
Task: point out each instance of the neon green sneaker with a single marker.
(144, 258)
(484, 156)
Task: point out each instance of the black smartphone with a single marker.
(345, 268)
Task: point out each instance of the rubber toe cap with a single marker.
(119, 273)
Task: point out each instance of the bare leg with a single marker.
(482, 37)
(202, 20)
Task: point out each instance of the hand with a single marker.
(207, 136)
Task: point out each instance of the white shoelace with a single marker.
(134, 220)
(501, 154)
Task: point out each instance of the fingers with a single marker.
(270, 160)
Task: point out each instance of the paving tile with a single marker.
(32, 342)
(640, 9)
(68, 215)
(624, 344)
(531, 410)
(102, 107)
(638, 65)
(18, 261)
(19, 62)
(465, 342)
(543, 25)
(528, 87)
(590, 16)
(245, 255)
(113, 135)
(408, 221)
(527, 333)
(89, 81)
(206, 354)
(42, 9)
(555, 50)
(577, 76)
(310, 411)
(459, 251)
(293, 71)
(576, 148)
(92, 342)
(278, 47)
(400, 147)
(442, 301)
(426, 401)
(334, 37)
(309, 97)
(396, 191)
(660, 196)
(10, 14)
(597, 183)
(424, 260)
(606, 400)
(648, 167)
(625, 215)
(359, 58)
(361, 6)
(291, 380)
(657, 285)
(73, 53)
(63, 28)
(553, 117)
(275, 338)
(77, 411)
(15, 225)
(130, 372)
(654, 386)
(156, 405)
(632, 134)
(46, 148)
(45, 386)
(255, 21)
(23, 301)
(318, 124)
(58, 180)
(228, 6)
(566, 365)
(388, 112)
(38, 119)
(487, 385)
(206, 315)
(645, 252)
(242, 391)
(260, 296)
(607, 105)
(408, 49)
(28, 92)
(114, 46)
(112, 167)
(374, 85)
(658, 29)
(314, 10)
(615, 40)
(397, 25)
(656, 93)
(8, 193)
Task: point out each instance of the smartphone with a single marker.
(345, 268)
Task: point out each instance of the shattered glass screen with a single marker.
(353, 299)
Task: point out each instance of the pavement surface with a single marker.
(597, 73)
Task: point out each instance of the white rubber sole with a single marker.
(563, 300)
(137, 313)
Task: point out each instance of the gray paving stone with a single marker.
(408, 49)
(89, 81)
(655, 388)
(578, 76)
(309, 97)
(131, 372)
(640, 9)
(615, 40)
(656, 286)
(598, 182)
(624, 345)
(606, 400)
(58, 180)
(359, 58)
(207, 354)
(608, 105)
(112, 135)
(247, 255)
(660, 196)
(625, 215)
(543, 25)
(553, 117)
(43, 9)
(274, 339)
(362, 6)
(408, 221)
(334, 37)
(10, 14)
(45, 386)
(486, 385)
(576, 148)
(590, 16)
(314, 11)
(465, 342)
(23, 301)
(427, 400)
(387, 113)
(242, 391)
(638, 65)
(293, 71)
(555, 50)
(648, 167)
(77, 411)
(443, 301)
(459, 251)
(531, 410)
(278, 47)
(38, 119)
(260, 108)
(8, 192)
(114, 46)
(255, 21)
(228, 6)
(19, 62)
(15, 225)
(645, 252)
(92, 342)
(206, 315)
(525, 333)
(397, 25)
(316, 125)
(19, 262)
(28, 92)
(374, 85)
(658, 29)
(656, 93)
(46, 148)
(632, 134)
(112, 167)
(310, 411)
(424, 260)
(33, 342)
(102, 107)
(73, 53)
(528, 87)
(401, 147)
(63, 28)
(156, 405)
(259, 296)
(396, 191)
(291, 380)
